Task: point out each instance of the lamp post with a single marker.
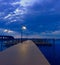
(22, 28)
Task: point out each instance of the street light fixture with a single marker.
(23, 28)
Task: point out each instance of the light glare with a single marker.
(24, 28)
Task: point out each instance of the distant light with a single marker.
(24, 28)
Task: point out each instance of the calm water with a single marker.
(52, 53)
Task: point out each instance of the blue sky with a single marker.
(41, 17)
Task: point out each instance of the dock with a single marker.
(26, 53)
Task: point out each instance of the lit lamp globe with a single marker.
(24, 28)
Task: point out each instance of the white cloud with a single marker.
(15, 3)
(17, 15)
(8, 31)
(13, 21)
(24, 10)
(25, 3)
(19, 11)
(5, 30)
(57, 32)
(52, 34)
(8, 16)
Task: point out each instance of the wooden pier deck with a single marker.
(26, 53)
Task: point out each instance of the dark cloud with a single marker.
(42, 16)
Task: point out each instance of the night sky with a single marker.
(41, 18)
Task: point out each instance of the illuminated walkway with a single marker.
(26, 53)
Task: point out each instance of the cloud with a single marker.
(25, 3)
(8, 32)
(16, 15)
(16, 34)
(19, 12)
(18, 9)
(57, 32)
(15, 3)
(13, 12)
(8, 16)
(51, 34)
